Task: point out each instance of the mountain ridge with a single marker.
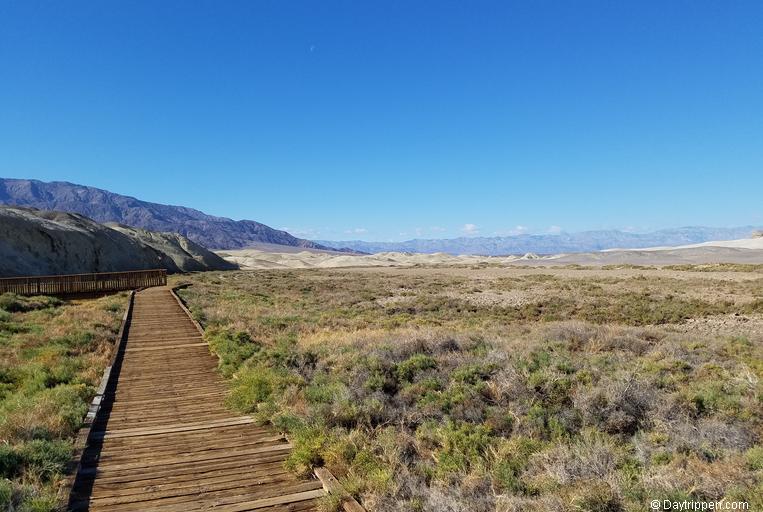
(104, 206)
(584, 241)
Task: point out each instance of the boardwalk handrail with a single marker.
(83, 283)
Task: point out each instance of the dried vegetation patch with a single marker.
(595, 394)
(52, 355)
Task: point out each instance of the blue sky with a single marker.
(393, 120)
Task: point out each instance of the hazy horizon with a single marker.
(352, 236)
(626, 231)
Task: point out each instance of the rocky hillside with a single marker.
(104, 206)
(187, 255)
(35, 242)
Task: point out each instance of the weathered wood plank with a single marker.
(332, 486)
(163, 439)
(167, 429)
(165, 347)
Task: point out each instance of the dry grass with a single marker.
(52, 355)
(589, 390)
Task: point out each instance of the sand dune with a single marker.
(255, 258)
(728, 251)
(745, 243)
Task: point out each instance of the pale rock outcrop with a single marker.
(37, 242)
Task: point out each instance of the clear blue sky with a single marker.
(389, 120)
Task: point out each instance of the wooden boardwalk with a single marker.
(67, 284)
(163, 439)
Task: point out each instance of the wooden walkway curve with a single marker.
(163, 439)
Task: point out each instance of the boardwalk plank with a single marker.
(163, 439)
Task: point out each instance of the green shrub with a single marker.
(45, 458)
(309, 444)
(461, 446)
(287, 422)
(65, 372)
(457, 394)
(79, 340)
(324, 389)
(39, 504)
(58, 412)
(16, 303)
(257, 385)
(754, 458)
(232, 348)
(330, 502)
(473, 373)
(537, 360)
(114, 307)
(6, 494)
(511, 459)
(708, 397)
(10, 461)
(407, 370)
(661, 457)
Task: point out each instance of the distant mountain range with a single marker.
(223, 233)
(104, 206)
(585, 241)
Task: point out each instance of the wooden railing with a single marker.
(83, 283)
